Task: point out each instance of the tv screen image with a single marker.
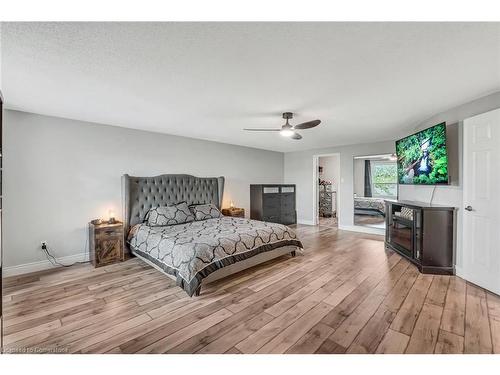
(422, 157)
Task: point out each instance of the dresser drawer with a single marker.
(288, 199)
(288, 203)
(104, 234)
(108, 251)
(271, 210)
(288, 218)
(272, 202)
(272, 218)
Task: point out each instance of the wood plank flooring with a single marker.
(347, 294)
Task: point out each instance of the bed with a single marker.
(202, 251)
(369, 206)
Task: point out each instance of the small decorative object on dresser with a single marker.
(105, 243)
(234, 212)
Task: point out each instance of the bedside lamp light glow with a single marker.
(231, 204)
(111, 215)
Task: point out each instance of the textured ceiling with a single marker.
(365, 81)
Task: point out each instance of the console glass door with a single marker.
(401, 229)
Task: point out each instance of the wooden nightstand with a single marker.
(106, 243)
(234, 212)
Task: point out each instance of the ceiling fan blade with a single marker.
(308, 125)
(296, 136)
(262, 130)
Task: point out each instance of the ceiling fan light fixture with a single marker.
(287, 129)
(287, 132)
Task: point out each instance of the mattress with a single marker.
(372, 204)
(192, 251)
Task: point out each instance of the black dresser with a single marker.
(274, 203)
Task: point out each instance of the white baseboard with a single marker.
(305, 222)
(42, 265)
(361, 229)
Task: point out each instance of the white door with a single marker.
(481, 205)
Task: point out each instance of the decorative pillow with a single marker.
(407, 213)
(205, 211)
(169, 215)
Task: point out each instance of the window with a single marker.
(384, 179)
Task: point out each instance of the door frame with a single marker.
(315, 216)
(1, 226)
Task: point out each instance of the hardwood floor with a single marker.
(331, 222)
(347, 294)
(370, 221)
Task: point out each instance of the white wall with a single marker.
(331, 171)
(60, 173)
(451, 194)
(299, 171)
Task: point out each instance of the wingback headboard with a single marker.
(139, 194)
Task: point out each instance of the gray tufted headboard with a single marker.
(139, 194)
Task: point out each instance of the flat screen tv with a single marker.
(422, 157)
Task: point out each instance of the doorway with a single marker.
(481, 202)
(326, 190)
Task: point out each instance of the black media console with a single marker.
(423, 233)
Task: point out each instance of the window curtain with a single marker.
(368, 179)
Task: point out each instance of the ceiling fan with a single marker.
(288, 130)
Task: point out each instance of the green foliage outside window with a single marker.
(384, 179)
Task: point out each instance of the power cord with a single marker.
(432, 195)
(53, 260)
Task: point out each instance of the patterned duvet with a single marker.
(373, 204)
(193, 250)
